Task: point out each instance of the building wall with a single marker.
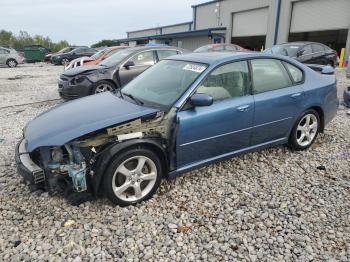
(147, 32)
(175, 29)
(207, 17)
(192, 43)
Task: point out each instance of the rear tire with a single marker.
(11, 63)
(305, 130)
(102, 86)
(132, 176)
(64, 61)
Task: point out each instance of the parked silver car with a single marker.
(10, 57)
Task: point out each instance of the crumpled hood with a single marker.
(82, 69)
(73, 119)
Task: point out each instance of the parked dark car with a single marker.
(306, 52)
(113, 72)
(62, 51)
(185, 112)
(219, 48)
(65, 58)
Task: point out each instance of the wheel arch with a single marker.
(110, 152)
(320, 113)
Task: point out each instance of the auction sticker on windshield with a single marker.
(194, 68)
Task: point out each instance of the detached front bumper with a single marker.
(30, 171)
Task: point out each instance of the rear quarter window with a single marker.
(295, 72)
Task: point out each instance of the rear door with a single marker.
(142, 61)
(318, 54)
(278, 99)
(3, 55)
(305, 54)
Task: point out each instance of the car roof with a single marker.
(137, 48)
(216, 57)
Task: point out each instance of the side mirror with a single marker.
(73, 53)
(201, 100)
(129, 64)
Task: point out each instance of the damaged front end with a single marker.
(71, 168)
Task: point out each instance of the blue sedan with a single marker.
(183, 113)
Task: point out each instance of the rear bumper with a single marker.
(30, 171)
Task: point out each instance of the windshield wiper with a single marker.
(138, 101)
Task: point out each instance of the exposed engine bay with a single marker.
(70, 168)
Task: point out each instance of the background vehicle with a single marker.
(219, 48)
(62, 51)
(65, 58)
(95, 58)
(185, 112)
(10, 57)
(113, 72)
(306, 52)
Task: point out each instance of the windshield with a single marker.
(286, 50)
(98, 54)
(117, 57)
(164, 83)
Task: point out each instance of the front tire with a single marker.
(102, 86)
(133, 176)
(305, 130)
(11, 63)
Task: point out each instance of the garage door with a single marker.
(317, 15)
(250, 23)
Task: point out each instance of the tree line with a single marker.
(23, 39)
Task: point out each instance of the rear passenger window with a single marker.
(268, 75)
(165, 53)
(317, 48)
(227, 81)
(295, 72)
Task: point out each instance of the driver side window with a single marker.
(143, 59)
(228, 81)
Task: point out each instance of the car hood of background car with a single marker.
(74, 119)
(82, 69)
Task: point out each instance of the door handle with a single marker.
(295, 95)
(243, 108)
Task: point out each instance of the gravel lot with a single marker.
(273, 205)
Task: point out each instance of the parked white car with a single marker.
(10, 57)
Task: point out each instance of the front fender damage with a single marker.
(76, 168)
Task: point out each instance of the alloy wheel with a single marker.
(134, 178)
(12, 63)
(103, 88)
(307, 130)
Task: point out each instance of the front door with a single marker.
(225, 126)
(278, 98)
(141, 61)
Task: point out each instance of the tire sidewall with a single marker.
(293, 136)
(120, 158)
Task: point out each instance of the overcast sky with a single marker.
(85, 22)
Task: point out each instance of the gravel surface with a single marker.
(272, 205)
